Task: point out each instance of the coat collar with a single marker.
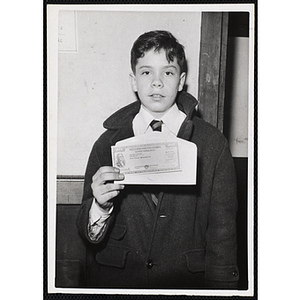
(121, 121)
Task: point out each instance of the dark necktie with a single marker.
(156, 125)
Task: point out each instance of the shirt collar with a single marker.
(172, 119)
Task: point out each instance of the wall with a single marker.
(93, 73)
(236, 99)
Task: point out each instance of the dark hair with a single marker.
(158, 40)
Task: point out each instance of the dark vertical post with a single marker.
(212, 67)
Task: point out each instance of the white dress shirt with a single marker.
(172, 120)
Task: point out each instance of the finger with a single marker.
(107, 188)
(106, 169)
(102, 189)
(110, 177)
(108, 196)
(107, 173)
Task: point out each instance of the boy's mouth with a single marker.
(156, 96)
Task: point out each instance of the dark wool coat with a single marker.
(189, 239)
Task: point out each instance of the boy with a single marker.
(160, 236)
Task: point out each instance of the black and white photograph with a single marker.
(150, 158)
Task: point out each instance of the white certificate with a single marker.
(147, 158)
(156, 158)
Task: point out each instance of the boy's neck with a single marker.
(157, 115)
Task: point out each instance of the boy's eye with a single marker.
(168, 73)
(145, 73)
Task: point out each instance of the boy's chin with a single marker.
(157, 112)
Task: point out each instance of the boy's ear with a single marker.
(181, 81)
(133, 82)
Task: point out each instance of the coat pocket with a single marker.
(195, 260)
(114, 255)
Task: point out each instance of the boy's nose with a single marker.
(157, 82)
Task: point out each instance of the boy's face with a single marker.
(157, 82)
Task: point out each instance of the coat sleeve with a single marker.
(221, 249)
(87, 199)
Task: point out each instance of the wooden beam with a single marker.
(212, 67)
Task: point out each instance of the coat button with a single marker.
(149, 264)
(235, 273)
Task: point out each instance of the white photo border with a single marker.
(52, 127)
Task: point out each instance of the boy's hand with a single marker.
(103, 187)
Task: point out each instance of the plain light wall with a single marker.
(239, 91)
(93, 80)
